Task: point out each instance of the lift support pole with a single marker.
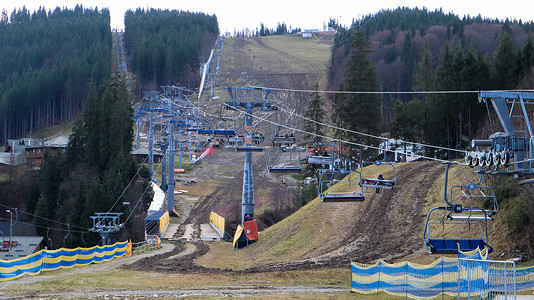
(248, 98)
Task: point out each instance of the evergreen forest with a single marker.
(165, 45)
(96, 173)
(47, 60)
(409, 50)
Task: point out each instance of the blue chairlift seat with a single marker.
(284, 169)
(342, 197)
(223, 132)
(205, 131)
(453, 245)
(319, 160)
(249, 148)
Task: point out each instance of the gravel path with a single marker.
(200, 292)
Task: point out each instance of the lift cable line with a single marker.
(127, 186)
(370, 135)
(51, 228)
(43, 218)
(385, 92)
(138, 201)
(362, 133)
(346, 142)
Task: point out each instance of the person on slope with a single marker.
(380, 177)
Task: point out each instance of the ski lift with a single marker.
(453, 245)
(284, 160)
(330, 157)
(466, 209)
(281, 139)
(328, 178)
(470, 201)
(380, 182)
(319, 154)
(223, 129)
(251, 142)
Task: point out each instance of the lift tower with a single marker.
(106, 223)
(173, 93)
(511, 151)
(247, 98)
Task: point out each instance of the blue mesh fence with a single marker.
(428, 281)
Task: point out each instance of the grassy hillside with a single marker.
(388, 225)
(287, 61)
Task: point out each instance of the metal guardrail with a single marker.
(486, 279)
(148, 245)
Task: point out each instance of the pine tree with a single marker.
(425, 79)
(358, 112)
(505, 64)
(315, 117)
(527, 55)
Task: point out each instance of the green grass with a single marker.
(54, 132)
(4, 177)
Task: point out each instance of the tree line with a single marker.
(502, 59)
(47, 60)
(165, 45)
(95, 174)
(406, 61)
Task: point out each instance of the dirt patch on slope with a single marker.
(387, 225)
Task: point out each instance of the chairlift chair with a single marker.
(472, 198)
(252, 143)
(465, 209)
(315, 154)
(223, 130)
(327, 179)
(284, 160)
(385, 184)
(283, 140)
(453, 245)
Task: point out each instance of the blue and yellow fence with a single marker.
(47, 260)
(416, 281)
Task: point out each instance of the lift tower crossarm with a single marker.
(499, 102)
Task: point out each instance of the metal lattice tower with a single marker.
(106, 223)
(174, 94)
(248, 99)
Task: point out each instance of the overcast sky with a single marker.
(239, 14)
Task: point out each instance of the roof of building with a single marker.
(59, 142)
(25, 245)
(20, 144)
(144, 151)
(20, 228)
(17, 159)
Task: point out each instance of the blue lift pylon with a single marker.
(248, 98)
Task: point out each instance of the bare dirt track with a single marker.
(387, 225)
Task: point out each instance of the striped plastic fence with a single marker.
(419, 281)
(47, 260)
